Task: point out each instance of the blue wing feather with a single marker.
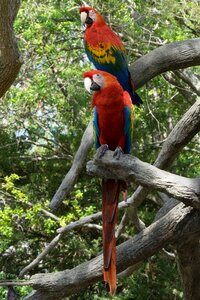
(96, 128)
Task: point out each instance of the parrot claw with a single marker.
(102, 150)
(117, 153)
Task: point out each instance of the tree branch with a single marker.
(130, 168)
(190, 78)
(176, 225)
(168, 57)
(36, 261)
(184, 91)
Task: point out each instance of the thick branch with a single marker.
(10, 62)
(168, 57)
(178, 224)
(130, 168)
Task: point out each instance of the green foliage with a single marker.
(43, 117)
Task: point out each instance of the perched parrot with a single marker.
(113, 121)
(106, 51)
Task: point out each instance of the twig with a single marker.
(129, 270)
(190, 78)
(36, 261)
(15, 282)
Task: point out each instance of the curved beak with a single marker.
(87, 83)
(83, 17)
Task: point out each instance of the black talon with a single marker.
(102, 150)
(117, 153)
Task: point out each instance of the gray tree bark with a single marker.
(168, 57)
(188, 252)
(10, 61)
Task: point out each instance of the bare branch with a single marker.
(168, 57)
(63, 230)
(179, 223)
(122, 225)
(187, 94)
(190, 78)
(14, 282)
(36, 261)
(130, 168)
(130, 270)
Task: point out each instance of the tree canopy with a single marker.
(44, 115)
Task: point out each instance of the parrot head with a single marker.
(96, 80)
(89, 16)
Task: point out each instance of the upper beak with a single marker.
(87, 84)
(83, 17)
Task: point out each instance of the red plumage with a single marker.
(94, 37)
(109, 103)
(105, 50)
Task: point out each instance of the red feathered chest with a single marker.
(109, 104)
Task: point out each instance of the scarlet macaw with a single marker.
(113, 120)
(106, 51)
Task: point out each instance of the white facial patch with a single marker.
(87, 84)
(92, 15)
(98, 78)
(83, 17)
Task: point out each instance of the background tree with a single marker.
(43, 118)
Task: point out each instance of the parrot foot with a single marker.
(102, 150)
(117, 153)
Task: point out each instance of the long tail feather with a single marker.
(110, 196)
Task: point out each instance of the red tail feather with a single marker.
(110, 196)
